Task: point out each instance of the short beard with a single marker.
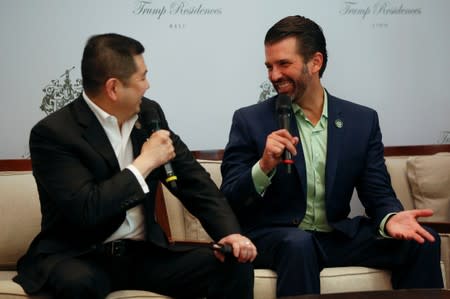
(300, 90)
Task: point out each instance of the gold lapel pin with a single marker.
(138, 125)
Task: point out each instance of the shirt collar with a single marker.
(101, 114)
(297, 109)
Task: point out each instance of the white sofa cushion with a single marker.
(183, 225)
(134, 294)
(11, 290)
(20, 213)
(396, 166)
(429, 178)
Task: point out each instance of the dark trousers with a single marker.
(186, 274)
(298, 256)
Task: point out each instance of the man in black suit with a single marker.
(96, 163)
(300, 221)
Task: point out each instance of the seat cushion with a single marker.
(11, 290)
(354, 279)
(134, 294)
(332, 280)
(265, 284)
(19, 215)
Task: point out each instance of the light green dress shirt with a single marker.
(313, 139)
(314, 142)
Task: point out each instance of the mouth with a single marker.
(282, 86)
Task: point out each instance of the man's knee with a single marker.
(243, 271)
(435, 235)
(294, 244)
(433, 248)
(70, 281)
(298, 251)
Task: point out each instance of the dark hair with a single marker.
(108, 56)
(309, 35)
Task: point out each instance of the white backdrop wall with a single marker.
(206, 59)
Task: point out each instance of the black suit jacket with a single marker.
(354, 159)
(84, 195)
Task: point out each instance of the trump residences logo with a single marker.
(379, 12)
(160, 9)
(379, 8)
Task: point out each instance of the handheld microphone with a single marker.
(225, 249)
(171, 178)
(284, 109)
(152, 122)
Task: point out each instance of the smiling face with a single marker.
(286, 68)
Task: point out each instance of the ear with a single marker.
(111, 88)
(315, 63)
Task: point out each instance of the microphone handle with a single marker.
(225, 249)
(284, 119)
(287, 159)
(171, 178)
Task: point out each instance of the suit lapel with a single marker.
(141, 131)
(299, 160)
(94, 133)
(139, 135)
(336, 129)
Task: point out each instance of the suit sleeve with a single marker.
(241, 153)
(198, 193)
(75, 179)
(374, 185)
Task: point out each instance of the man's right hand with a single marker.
(276, 143)
(156, 151)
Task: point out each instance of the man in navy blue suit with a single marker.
(299, 220)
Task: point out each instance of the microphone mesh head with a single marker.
(150, 119)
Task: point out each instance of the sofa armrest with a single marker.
(439, 227)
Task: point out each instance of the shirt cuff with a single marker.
(382, 228)
(260, 180)
(139, 178)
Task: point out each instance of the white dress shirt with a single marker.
(133, 226)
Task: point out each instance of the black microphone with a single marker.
(155, 125)
(225, 249)
(284, 108)
(171, 178)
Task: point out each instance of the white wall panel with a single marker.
(390, 55)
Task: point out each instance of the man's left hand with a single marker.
(404, 226)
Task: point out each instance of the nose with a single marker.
(148, 84)
(274, 74)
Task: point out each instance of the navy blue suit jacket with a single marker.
(354, 159)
